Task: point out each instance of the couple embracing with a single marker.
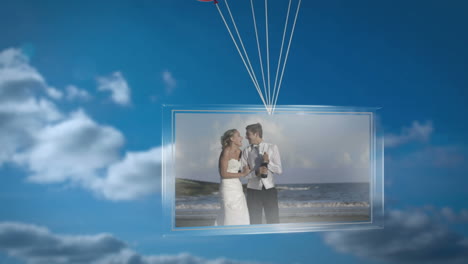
(258, 163)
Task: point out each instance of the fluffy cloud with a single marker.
(117, 85)
(74, 92)
(54, 93)
(137, 175)
(57, 147)
(18, 79)
(169, 81)
(80, 151)
(22, 111)
(37, 245)
(430, 156)
(71, 150)
(417, 132)
(416, 236)
(454, 216)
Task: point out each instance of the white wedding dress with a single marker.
(234, 209)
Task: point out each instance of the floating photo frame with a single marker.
(331, 158)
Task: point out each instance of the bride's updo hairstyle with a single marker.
(226, 138)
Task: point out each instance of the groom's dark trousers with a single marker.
(266, 199)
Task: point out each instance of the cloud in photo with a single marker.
(416, 132)
(333, 145)
(37, 245)
(117, 86)
(411, 236)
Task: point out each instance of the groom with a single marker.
(261, 192)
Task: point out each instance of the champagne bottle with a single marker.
(264, 164)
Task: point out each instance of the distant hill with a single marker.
(192, 187)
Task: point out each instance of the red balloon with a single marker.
(215, 1)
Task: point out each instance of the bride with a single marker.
(233, 202)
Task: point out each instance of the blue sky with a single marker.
(81, 73)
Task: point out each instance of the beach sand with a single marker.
(184, 221)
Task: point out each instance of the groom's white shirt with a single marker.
(274, 166)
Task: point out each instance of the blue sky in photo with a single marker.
(82, 84)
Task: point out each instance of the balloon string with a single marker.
(242, 57)
(242, 44)
(258, 47)
(267, 50)
(287, 54)
(281, 50)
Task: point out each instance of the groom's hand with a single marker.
(263, 170)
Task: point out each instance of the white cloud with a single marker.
(80, 151)
(425, 156)
(57, 147)
(117, 85)
(22, 111)
(71, 150)
(37, 245)
(413, 236)
(18, 80)
(74, 92)
(452, 215)
(417, 132)
(429, 156)
(54, 93)
(169, 81)
(187, 258)
(137, 175)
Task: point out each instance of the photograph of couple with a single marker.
(234, 169)
(259, 163)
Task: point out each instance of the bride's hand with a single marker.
(245, 170)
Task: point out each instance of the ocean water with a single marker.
(326, 199)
